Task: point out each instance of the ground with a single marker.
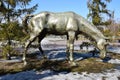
(57, 67)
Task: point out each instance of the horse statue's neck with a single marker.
(88, 29)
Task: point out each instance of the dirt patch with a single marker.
(88, 65)
(92, 65)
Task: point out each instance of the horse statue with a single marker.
(63, 23)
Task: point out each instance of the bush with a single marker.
(8, 52)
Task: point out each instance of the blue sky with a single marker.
(78, 6)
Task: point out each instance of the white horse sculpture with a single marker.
(66, 23)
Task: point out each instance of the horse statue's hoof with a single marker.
(72, 63)
(25, 63)
(102, 57)
(44, 57)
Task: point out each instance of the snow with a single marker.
(51, 75)
(114, 61)
(52, 53)
(114, 49)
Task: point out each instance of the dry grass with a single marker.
(114, 55)
(91, 65)
(10, 68)
(86, 65)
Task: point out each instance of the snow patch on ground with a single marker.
(114, 49)
(114, 61)
(51, 75)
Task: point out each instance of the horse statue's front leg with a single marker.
(67, 50)
(71, 37)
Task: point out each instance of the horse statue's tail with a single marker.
(25, 22)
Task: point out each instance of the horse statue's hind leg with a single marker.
(40, 37)
(32, 38)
